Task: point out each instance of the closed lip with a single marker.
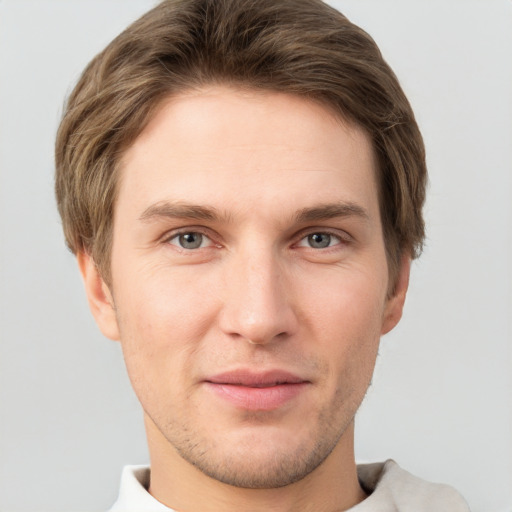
(250, 378)
(257, 391)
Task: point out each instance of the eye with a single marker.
(319, 240)
(190, 240)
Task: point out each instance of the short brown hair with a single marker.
(301, 47)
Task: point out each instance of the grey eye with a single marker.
(319, 240)
(190, 240)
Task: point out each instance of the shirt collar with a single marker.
(133, 494)
(390, 488)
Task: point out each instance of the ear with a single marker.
(395, 302)
(99, 297)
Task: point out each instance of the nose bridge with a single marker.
(257, 302)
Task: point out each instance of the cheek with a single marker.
(165, 304)
(350, 301)
(162, 322)
(346, 319)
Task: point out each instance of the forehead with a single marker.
(247, 149)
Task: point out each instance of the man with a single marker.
(242, 184)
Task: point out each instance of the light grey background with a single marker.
(441, 403)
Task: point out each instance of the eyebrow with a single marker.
(331, 211)
(165, 209)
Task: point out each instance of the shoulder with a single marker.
(392, 488)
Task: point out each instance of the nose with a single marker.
(258, 302)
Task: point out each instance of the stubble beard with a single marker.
(241, 466)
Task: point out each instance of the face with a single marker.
(249, 281)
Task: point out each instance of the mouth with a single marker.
(257, 391)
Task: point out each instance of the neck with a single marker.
(332, 486)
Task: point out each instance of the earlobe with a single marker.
(99, 297)
(395, 302)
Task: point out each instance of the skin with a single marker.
(262, 178)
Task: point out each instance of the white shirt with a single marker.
(391, 489)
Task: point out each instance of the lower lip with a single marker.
(258, 399)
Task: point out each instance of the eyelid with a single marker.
(341, 235)
(173, 233)
(205, 241)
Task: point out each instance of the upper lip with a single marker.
(250, 378)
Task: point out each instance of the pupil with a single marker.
(191, 240)
(319, 240)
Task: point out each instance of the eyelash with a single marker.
(196, 231)
(342, 239)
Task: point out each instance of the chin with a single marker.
(262, 459)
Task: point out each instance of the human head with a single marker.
(300, 47)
